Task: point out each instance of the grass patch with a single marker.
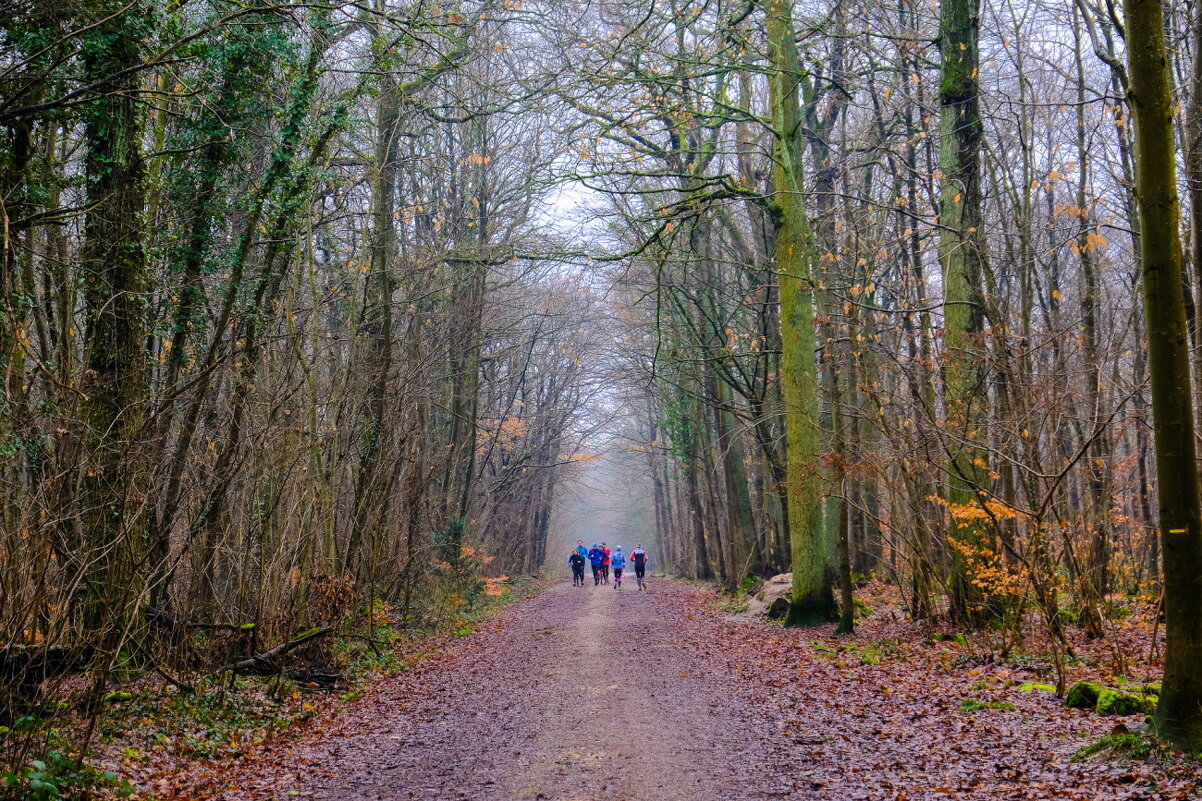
(1133, 746)
(973, 705)
(844, 655)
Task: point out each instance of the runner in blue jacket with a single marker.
(617, 561)
(595, 557)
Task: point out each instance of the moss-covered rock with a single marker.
(1083, 695)
(1114, 702)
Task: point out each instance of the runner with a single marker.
(580, 549)
(595, 556)
(618, 561)
(639, 557)
(577, 563)
(604, 564)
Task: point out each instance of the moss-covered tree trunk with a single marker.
(1179, 713)
(963, 313)
(1101, 469)
(810, 547)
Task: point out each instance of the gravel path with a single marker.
(579, 693)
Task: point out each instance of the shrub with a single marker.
(57, 776)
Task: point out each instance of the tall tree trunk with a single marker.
(695, 514)
(960, 239)
(740, 516)
(704, 425)
(1193, 168)
(810, 548)
(372, 487)
(116, 284)
(740, 519)
(1179, 712)
(196, 250)
(659, 494)
(464, 357)
(1093, 590)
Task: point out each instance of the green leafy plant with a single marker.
(58, 776)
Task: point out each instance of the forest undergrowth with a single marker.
(908, 691)
(156, 730)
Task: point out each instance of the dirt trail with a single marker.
(590, 693)
(580, 693)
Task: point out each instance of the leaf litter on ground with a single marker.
(885, 713)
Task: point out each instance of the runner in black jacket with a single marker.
(577, 563)
(638, 557)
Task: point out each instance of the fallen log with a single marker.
(264, 664)
(316, 679)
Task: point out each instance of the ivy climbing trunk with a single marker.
(1179, 712)
(113, 262)
(810, 548)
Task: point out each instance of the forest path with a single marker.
(580, 693)
(589, 693)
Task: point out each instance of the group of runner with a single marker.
(602, 560)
